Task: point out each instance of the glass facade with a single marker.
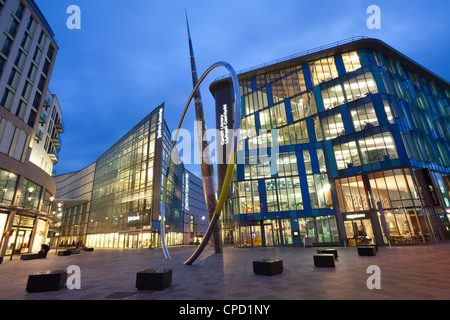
(363, 151)
(125, 205)
(119, 205)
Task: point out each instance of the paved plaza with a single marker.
(406, 273)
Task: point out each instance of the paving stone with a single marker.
(407, 273)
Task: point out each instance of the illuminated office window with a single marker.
(333, 126)
(364, 117)
(303, 106)
(351, 61)
(323, 70)
(346, 155)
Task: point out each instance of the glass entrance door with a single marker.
(359, 231)
(256, 236)
(268, 234)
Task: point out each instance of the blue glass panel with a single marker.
(339, 65)
(307, 76)
(346, 119)
(287, 105)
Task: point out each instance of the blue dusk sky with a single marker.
(131, 56)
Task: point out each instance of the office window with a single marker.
(284, 194)
(321, 159)
(248, 201)
(333, 126)
(378, 148)
(388, 108)
(288, 86)
(346, 155)
(319, 191)
(351, 61)
(255, 101)
(364, 117)
(360, 86)
(350, 90)
(333, 96)
(303, 106)
(323, 70)
(295, 133)
(318, 128)
(286, 164)
(307, 162)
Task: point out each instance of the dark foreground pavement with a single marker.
(406, 273)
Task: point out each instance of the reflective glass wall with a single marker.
(128, 184)
(353, 128)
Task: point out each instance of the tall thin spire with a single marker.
(197, 94)
(207, 169)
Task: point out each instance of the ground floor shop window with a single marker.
(276, 232)
(132, 240)
(358, 231)
(407, 226)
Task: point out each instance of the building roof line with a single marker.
(350, 43)
(297, 55)
(42, 17)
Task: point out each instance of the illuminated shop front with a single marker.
(407, 217)
(24, 219)
(132, 239)
(362, 157)
(291, 231)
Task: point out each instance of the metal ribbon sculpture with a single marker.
(230, 167)
(207, 169)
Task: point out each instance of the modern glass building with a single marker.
(30, 127)
(116, 202)
(363, 154)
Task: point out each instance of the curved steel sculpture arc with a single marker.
(230, 167)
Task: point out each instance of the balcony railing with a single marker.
(57, 141)
(59, 126)
(54, 156)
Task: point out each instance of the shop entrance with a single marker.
(250, 236)
(19, 241)
(268, 234)
(359, 231)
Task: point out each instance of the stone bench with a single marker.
(88, 249)
(52, 280)
(74, 251)
(32, 256)
(64, 253)
(328, 251)
(367, 250)
(369, 245)
(268, 267)
(153, 279)
(324, 260)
